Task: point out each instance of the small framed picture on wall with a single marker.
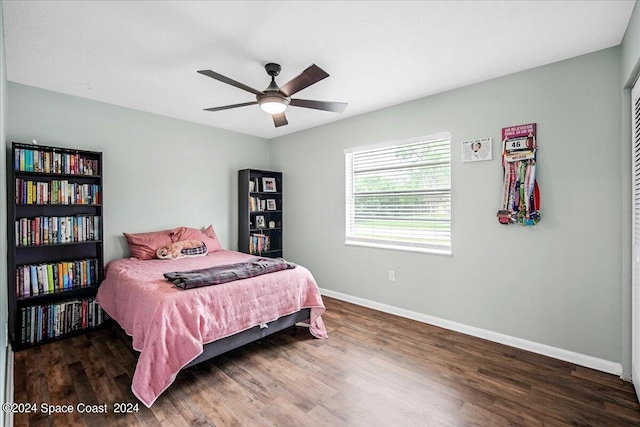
(269, 185)
(476, 150)
(271, 204)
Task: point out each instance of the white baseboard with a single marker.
(607, 366)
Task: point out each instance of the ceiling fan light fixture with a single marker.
(275, 100)
(273, 104)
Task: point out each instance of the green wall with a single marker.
(158, 172)
(558, 283)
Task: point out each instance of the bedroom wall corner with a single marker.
(630, 46)
(6, 384)
(159, 172)
(630, 68)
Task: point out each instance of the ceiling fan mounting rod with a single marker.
(273, 69)
(271, 100)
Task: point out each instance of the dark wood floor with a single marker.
(374, 370)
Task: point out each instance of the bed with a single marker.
(174, 328)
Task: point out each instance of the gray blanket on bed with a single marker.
(227, 273)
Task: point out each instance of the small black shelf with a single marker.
(268, 253)
(260, 230)
(56, 205)
(86, 242)
(56, 175)
(105, 324)
(264, 212)
(55, 295)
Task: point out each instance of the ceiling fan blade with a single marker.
(279, 120)
(336, 107)
(226, 107)
(229, 81)
(311, 75)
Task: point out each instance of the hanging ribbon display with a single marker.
(520, 193)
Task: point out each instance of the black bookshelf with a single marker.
(260, 224)
(55, 251)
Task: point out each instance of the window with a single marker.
(398, 195)
(635, 236)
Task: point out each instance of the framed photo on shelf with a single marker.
(271, 204)
(269, 185)
(260, 221)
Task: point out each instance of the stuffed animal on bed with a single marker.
(182, 249)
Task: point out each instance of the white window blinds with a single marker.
(635, 262)
(399, 195)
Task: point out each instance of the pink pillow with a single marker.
(144, 245)
(208, 236)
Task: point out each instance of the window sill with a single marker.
(446, 252)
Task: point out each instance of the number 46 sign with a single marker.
(519, 142)
(520, 194)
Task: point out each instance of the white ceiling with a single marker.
(145, 54)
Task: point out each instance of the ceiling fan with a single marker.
(274, 100)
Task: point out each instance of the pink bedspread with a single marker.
(169, 325)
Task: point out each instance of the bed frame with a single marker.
(231, 342)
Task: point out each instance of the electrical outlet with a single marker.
(392, 275)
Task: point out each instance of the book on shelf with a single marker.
(56, 192)
(48, 321)
(56, 230)
(46, 278)
(257, 204)
(258, 243)
(33, 280)
(52, 161)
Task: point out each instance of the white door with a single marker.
(635, 275)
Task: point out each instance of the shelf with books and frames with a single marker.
(56, 254)
(260, 224)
